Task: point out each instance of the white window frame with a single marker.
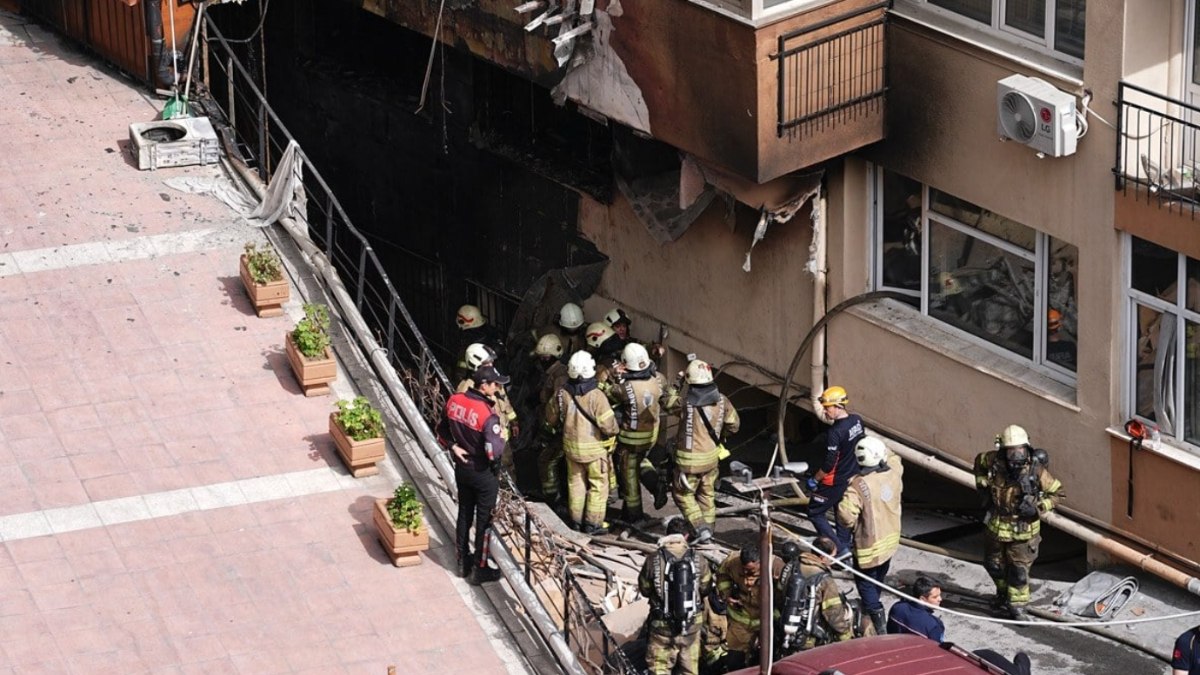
(1040, 257)
(1009, 33)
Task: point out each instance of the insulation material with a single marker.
(600, 80)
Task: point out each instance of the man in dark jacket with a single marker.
(828, 485)
(909, 617)
(474, 433)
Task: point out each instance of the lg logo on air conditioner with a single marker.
(1046, 114)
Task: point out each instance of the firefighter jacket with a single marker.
(1004, 493)
(584, 440)
(500, 402)
(471, 423)
(836, 617)
(695, 449)
(652, 583)
(639, 395)
(871, 507)
(553, 379)
(739, 590)
(571, 342)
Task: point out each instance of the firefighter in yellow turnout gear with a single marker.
(737, 587)
(589, 429)
(639, 393)
(811, 610)
(549, 351)
(706, 419)
(1018, 491)
(675, 580)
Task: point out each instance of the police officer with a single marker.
(675, 580)
(706, 419)
(825, 610)
(589, 428)
(737, 587)
(828, 484)
(473, 432)
(1017, 490)
(639, 392)
(871, 509)
(476, 355)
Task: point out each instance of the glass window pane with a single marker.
(1192, 298)
(1196, 45)
(1191, 384)
(1154, 379)
(1154, 269)
(1026, 15)
(901, 245)
(980, 10)
(981, 219)
(1062, 326)
(1069, 21)
(981, 289)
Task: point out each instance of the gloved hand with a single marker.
(810, 483)
(1028, 508)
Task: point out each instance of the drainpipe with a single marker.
(154, 33)
(820, 273)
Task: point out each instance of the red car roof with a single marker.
(890, 654)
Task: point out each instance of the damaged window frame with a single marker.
(922, 220)
(1184, 312)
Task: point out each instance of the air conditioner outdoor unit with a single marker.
(1035, 113)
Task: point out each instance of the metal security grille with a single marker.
(832, 71)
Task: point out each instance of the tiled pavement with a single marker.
(169, 502)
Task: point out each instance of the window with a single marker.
(1056, 25)
(989, 276)
(1165, 336)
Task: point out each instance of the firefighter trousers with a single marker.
(633, 461)
(587, 490)
(668, 654)
(696, 497)
(550, 461)
(1008, 563)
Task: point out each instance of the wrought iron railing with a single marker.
(832, 71)
(1158, 145)
(260, 138)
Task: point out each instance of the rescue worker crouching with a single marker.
(738, 589)
(707, 418)
(476, 356)
(639, 393)
(548, 352)
(812, 610)
(474, 328)
(1017, 490)
(829, 483)
(871, 509)
(675, 580)
(589, 428)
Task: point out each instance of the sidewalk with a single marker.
(169, 501)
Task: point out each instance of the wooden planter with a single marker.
(402, 546)
(360, 456)
(267, 298)
(314, 375)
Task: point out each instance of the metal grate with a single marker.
(1158, 145)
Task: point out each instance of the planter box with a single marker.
(267, 298)
(314, 375)
(402, 546)
(360, 456)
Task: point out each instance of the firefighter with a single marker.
(812, 610)
(605, 347)
(871, 510)
(737, 587)
(549, 351)
(620, 322)
(1017, 490)
(639, 393)
(675, 580)
(589, 428)
(828, 484)
(569, 328)
(706, 419)
(474, 328)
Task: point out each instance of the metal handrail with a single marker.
(1157, 148)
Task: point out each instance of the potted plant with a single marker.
(309, 353)
(262, 275)
(401, 525)
(357, 431)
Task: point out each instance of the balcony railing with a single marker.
(1158, 144)
(827, 79)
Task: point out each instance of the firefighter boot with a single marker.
(878, 621)
(633, 514)
(660, 490)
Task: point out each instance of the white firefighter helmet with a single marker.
(597, 333)
(581, 366)
(570, 316)
(870, 451)
(469, 316)
(1012, 436)
(548, 345)
(479, 354)
(635, 357)
(615, 316)
(699, 372)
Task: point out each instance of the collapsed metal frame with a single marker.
(261, 138)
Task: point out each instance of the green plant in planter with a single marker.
(311, 333)
(359, 419)
(263, 264)
(404, 509)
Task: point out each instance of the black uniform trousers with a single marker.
(477, 491)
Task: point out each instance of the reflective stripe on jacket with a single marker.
(1005, 494)
(696, 451)
(582, 441)
(871, 507)
(639, 401)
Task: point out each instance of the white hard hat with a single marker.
(597, 333)
(548, 345)
(469, 316)
(870, 451)
(615, 316)
(570, 316)
(581, 366)
(699, 372)
(479, 354)
(635, 357)
(1012, 436)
